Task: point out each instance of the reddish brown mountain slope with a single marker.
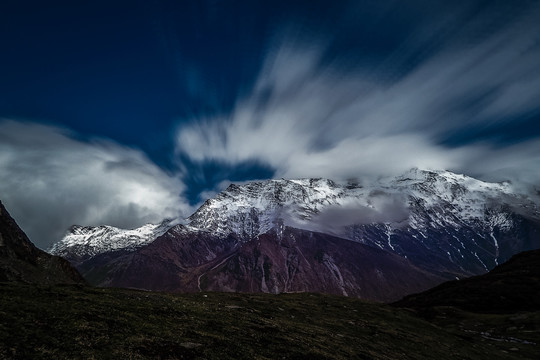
(288, 261)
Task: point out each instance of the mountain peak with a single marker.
(81, 242)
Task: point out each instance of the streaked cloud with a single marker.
(307, 116)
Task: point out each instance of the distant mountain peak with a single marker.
(81, 242)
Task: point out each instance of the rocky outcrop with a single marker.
(21, 261)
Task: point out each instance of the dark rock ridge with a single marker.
(510, 287)
(21, 261)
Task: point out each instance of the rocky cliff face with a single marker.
(21, 261)
(427, 225)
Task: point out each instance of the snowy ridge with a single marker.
(81, 241)
(257, 207)
(450, 199)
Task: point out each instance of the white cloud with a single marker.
(50, 181)
(304, 119)
(518, 163)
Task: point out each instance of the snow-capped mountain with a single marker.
(260, 237)
(83, 242)
(255, 208)
(450, 199)
(461, 222)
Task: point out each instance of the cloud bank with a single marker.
(50, 181)
(383, 208)
(309, 117)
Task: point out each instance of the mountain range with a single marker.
(377, 240)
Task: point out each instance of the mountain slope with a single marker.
(170, 263)
(510, 287)
(297, 260)
(291, 261)
(21, 261)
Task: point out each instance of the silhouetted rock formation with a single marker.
(21, 261)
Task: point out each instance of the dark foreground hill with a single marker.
(502, 306)
(510, 287)
(75, 322)
(21, 261)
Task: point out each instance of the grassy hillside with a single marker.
(512, 286)
(77, 322)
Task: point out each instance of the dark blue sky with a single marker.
(190, 95)
(133, 70)
(125, 70)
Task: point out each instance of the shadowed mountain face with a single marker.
(21, 261)
(170, 263)
(298, 260)
(510, 287)
(291, 260)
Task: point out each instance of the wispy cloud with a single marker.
(50, 181)
(310, 117)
